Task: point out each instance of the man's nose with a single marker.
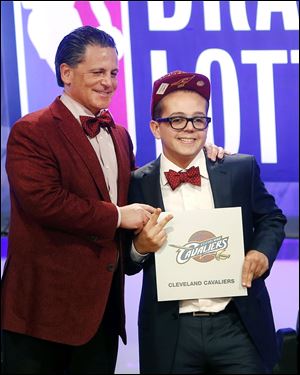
(106, 81)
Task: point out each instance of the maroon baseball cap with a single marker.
(179, 80)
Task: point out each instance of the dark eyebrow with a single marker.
(181, 114)
(103, 70)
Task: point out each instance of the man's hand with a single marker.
(214, 152)
(255, 265)
(135, 216)
(153, 235)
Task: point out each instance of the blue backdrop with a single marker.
(249, 49)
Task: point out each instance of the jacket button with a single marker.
(110, 268)
(93, 238)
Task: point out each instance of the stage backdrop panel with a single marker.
(249, 50)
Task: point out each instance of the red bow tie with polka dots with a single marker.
(92, 125)
(191, 175)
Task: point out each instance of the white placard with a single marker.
(203, 256)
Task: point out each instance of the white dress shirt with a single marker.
(184, 198)
(103, 146)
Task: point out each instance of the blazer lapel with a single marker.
(123, 171)
(75, 135)
(220, 181)
(151, 185)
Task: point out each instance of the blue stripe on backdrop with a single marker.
(10, 99)
(289, 250)
(249, 49)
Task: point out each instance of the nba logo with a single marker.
(41, 25)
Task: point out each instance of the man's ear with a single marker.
(154, 126)
(66, 73)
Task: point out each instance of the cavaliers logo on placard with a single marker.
(203, 246)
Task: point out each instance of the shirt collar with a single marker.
(198, 161)
(76, 108)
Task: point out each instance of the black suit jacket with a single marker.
(235, 181)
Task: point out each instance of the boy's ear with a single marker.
(154, 126)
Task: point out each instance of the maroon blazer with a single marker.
(63, 242)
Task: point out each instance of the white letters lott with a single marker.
(264, 61)
(212, 15)
(230, 91)
(294, 56)
(159, 67)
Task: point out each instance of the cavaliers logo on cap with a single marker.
(182, 82)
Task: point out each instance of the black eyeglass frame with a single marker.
(188, 119)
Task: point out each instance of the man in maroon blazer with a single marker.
(62, 294)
